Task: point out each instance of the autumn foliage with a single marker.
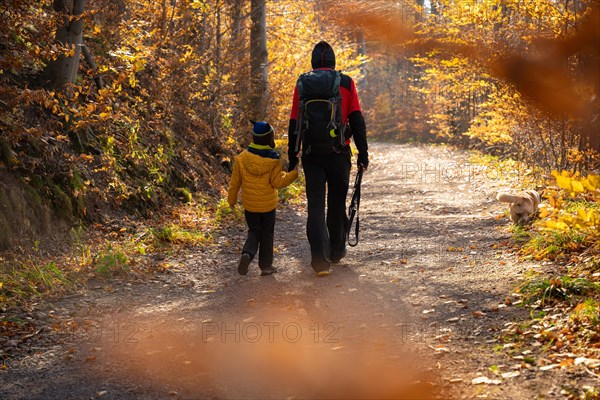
(163, 90)
(158, 109)
(512, 77)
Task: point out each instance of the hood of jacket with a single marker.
(323, 56)
(257, 165)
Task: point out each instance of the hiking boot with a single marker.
(323, 273)
(244, 262)
(268, 271)
(337, 259)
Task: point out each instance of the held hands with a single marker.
(293, 161)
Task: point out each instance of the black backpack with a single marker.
(319, 122)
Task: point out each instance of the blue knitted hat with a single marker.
(263, 133)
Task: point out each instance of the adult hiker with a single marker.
(325, 103)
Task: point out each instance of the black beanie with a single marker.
(323, 56)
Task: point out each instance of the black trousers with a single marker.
(261, 228)
(327, 180)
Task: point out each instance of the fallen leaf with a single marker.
(567, 362)
(441, 351)
(484, 379)
(549, 367)
(590, 362)
(479, 314)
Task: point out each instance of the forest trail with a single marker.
(412, 312)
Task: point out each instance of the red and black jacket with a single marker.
(323, 57)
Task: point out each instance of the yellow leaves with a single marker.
(592, 182)
(187, 55)
(562, 181)
(574, 183)
(554, 200)
(199, 5)
(104, 116)
(582, 220)
(132, 80)
(139, 64)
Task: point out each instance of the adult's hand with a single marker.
(293, 162)
(363, 160)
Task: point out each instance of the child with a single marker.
(259, 172)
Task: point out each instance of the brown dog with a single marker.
(522, 205)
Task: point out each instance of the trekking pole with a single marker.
(353, 209)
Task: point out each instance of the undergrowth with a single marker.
(119, 250)
(565, 288)
(565, 305)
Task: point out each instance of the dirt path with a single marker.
(413, 312)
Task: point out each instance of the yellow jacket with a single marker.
(259, 176)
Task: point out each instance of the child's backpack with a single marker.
(319, 122)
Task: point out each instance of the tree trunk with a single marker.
(63, 70)
(259, 77)
(362, 50)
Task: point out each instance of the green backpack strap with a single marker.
(336, 102)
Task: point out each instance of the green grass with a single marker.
(588, 311)
(563, 288)
(183, 194)
(519, 234)
(572, 206)
(224, 213)
(111, 262)
(174, 234)
(26, 279)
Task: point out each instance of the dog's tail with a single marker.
(536, 195)
(507, 197)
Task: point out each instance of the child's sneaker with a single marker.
(244, 262)
(268, 271)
